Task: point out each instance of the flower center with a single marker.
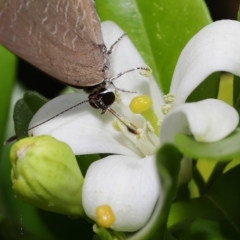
(143, 105)
(147, 139)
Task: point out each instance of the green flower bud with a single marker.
(45, 174)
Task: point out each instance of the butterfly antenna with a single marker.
(15, 137)
(130, 127)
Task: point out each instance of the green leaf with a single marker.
(203, 185)
(236, 90)
(199, 218)
(25, 109)
(238, 14)
(102, 233)
(107, 234)
(200, 229)
(206, 89)
(236, 94)
(7, 77)
(225, 195)
(159, 29)
(168, 164)
(218, 207)
(84, 161)
(223, 150)
(216, 173)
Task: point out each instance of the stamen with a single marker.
(118, 97)
(169, 98)
(166, 108)
(150, 133)
(146, 138)
(141, 140)
(154, 139)
(141, 134)
(149, 127)
(140, 104)
(146, 72)
(115, 126)
(160, 121)
(143, 105)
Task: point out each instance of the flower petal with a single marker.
(208, 120)
(214, 48)
(157, 97)
(130, 186)
(83, 128)
(124, 57)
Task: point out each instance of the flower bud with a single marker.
(45, 174)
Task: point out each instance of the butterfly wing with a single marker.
(61, 37)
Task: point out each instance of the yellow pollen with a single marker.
(143, 105)
(146, 72)
(105, 216)
(116, 126)
(140, 104)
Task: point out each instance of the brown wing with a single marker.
(61, 37)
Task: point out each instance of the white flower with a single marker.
(123, 188)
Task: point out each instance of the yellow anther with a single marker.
(149, 127)
(160, 121)
(166, 108)
(143, 105)
(141, 134)
(169, 98)
(105, 216)
(146, 72)
(116, 126)
(140, 104)
(118, 97)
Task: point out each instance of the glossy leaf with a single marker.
(225, 195)
(84, 161)
(218, 207)
(7, 77)
(25, 108)
(207, 89)
(238, 14)
(236, 93)
(224, 149)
